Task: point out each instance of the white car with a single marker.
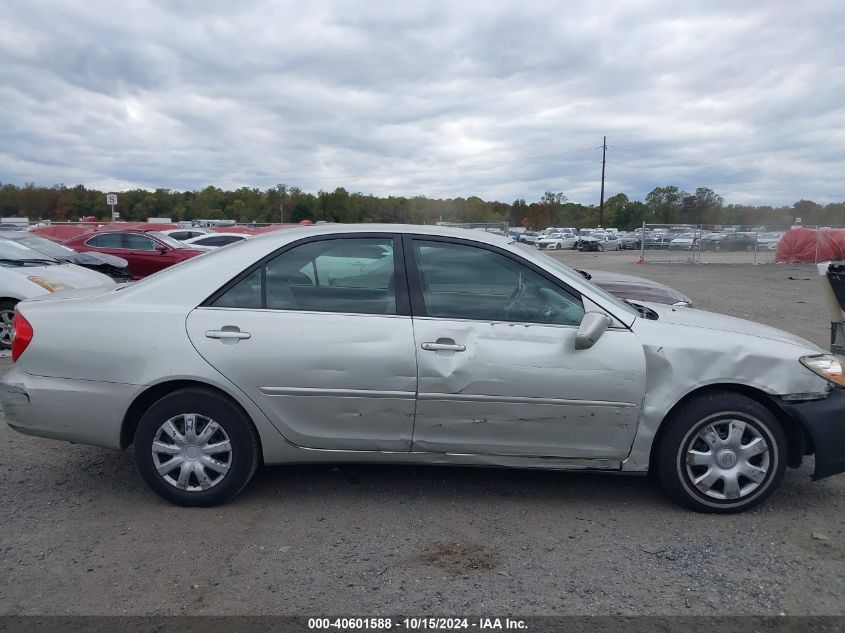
(768, 241)
(186, 234)
(26, 273)
(529, 237)
(685, 241)
(557, 241)
(216, 240)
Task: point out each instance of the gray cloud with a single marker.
(502, 100)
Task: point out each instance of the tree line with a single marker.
(289, 204)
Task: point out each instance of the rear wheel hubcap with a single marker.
(192, 452)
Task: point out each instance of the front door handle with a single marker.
(443, 345)
(228, 334)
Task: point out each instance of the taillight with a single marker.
(22, 335)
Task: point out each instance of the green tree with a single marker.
(665, 204)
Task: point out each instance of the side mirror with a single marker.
(161, 249)
(592, 327)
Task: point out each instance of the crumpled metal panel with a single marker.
(523, 389)
(697, 350)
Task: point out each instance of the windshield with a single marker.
(168, 240)
(11, 252)
(578, 278)
(45, 246)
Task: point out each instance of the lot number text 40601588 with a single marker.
(417, 624)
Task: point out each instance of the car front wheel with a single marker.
(194, 447)
(722, 452)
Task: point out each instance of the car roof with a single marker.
(429, 229)
(108, 229)
(216, 233)
(12, 235)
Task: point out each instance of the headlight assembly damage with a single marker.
(827, 366)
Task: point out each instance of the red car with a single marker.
(146, 251)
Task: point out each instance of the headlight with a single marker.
(48, 285)
(827, 366)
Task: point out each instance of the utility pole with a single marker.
(603, 161)
(282, 209)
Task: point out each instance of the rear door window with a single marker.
(353, 275)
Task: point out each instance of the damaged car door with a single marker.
(499, 372)
(318, 336)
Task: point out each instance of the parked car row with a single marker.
(715, 241)
(26, 273)
(32, 265)
(558, 238)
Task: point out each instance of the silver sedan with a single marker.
(417, 345)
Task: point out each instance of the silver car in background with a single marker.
(417, 345)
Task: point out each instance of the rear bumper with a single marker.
(824, 422)
(82, 411)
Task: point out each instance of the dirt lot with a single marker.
(80, 533)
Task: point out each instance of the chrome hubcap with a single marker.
(7, 332)
(192, 452)
(728, 459)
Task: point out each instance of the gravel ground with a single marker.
(81, 534)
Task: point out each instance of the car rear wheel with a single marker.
(7, 313)
(717, 247)
(600, 247)
(557, 246)
(722, 452)
(194, 447)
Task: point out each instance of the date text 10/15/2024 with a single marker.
(416, 624)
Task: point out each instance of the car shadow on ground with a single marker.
(351, 483)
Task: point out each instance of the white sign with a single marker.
(111, 199)
(797, 220)
(116, 215)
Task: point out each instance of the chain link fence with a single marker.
(499, 228)
(714, 244)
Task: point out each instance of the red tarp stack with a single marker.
(798, 246)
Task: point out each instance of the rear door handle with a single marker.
(444, 345)
(228, 334)
(225, 334)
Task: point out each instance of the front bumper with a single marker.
(824, 422)
(83, 411)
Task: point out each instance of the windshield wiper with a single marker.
(21, 262)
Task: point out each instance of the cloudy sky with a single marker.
(498, 99)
